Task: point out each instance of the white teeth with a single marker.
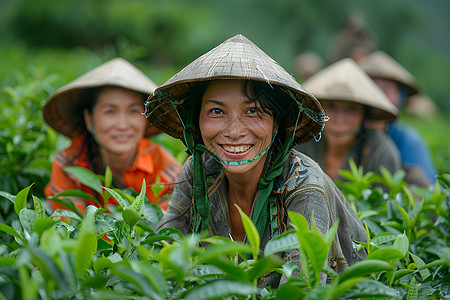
(236, 149)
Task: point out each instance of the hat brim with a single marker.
(236, 58)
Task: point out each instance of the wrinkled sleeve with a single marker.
(317, 198)
(178, 214)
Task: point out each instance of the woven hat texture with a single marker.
(235, 58)
(380, 65)
(346, 81)
(60, 111)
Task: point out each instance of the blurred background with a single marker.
(44, 44)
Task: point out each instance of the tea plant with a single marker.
(115, 252)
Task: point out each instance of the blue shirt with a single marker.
(413, 150)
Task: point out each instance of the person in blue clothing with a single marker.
(398, 84)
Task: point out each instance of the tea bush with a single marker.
(117, 254)
(114, 252)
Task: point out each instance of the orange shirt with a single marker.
(152, 160)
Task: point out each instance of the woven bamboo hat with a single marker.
(380, 65)
(235, 58)
(62, 110)
(346, 81)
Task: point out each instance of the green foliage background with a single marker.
(45, 44)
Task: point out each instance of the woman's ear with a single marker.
(87, 120)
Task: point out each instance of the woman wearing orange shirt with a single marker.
(101, 112)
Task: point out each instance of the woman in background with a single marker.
(101, 112)
(349, 98)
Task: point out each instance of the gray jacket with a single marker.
(302, 187)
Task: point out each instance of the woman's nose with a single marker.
(122, 120)
(234, 128)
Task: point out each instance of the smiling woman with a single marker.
(239, 113)
(101, 112)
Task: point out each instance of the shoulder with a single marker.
(405, 135)
(300, 171)
(377, 139)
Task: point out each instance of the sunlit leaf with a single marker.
(251, 232)
(139, 201)
(21, 199)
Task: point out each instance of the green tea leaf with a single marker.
(8, 196)
(283, 242)
(118, 197)
(139, 201)
(365, 267)
(155, 276)
(102, 263)
(299, 221)
(86, 245)
(42, 224)
(424, 273)
(413, 291)
(220, 289)
(108, 176)
(157, 187)
(131, 217)
(38, 207)
(251, 232)
(263, 266)
(27, 218)
(86, 177)
(371, 289)
(386, 254)
(51, 242)
(21, 199)
(77, 194)
(401, 243)
(137, 280)
(405, 217)
(9, 230)
(218, 250)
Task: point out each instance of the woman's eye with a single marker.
(252, 110)
(216, 111)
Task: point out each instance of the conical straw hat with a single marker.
(62, 110)
(346, 81)
(235, 58)
(380, 65)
